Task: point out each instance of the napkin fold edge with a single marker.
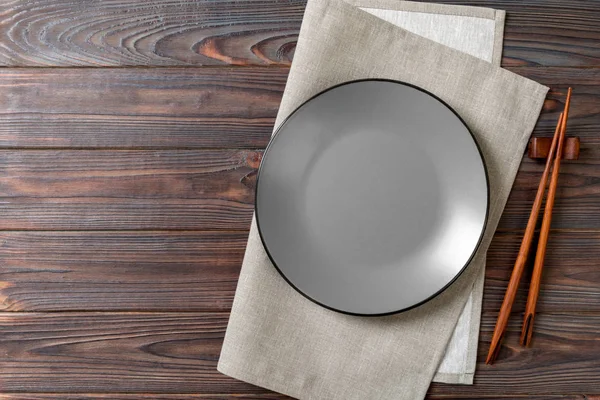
(499, 16)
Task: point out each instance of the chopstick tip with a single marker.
(494, 350)
(527, 331)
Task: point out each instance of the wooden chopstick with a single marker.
(513, 284)
(534, 288)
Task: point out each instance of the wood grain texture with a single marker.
(539, 148)
(256, 32)
(91, 190)
(134, 271)
(137, 32)
(181, 396)
(108, 174)
(87, 352)
(177, 353)
(210, 190)
(169, 396)
(200, 107)
(198, 271)
(571, 279)
(577, 199)
(561, 358)
(139, 107)
(267, 396)
(506, 397)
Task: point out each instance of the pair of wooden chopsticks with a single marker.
(534, 288)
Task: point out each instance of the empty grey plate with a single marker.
(372, 197)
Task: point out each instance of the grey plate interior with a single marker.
(372, 197)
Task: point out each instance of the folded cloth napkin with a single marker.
(479, 32)
(279, 340)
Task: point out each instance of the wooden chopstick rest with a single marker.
(539, 147)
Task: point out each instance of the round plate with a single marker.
(372, 197)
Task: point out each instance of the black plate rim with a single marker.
(485, 222)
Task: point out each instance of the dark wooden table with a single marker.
(130, 135)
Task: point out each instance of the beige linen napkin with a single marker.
(279, 340)
(479, 32)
